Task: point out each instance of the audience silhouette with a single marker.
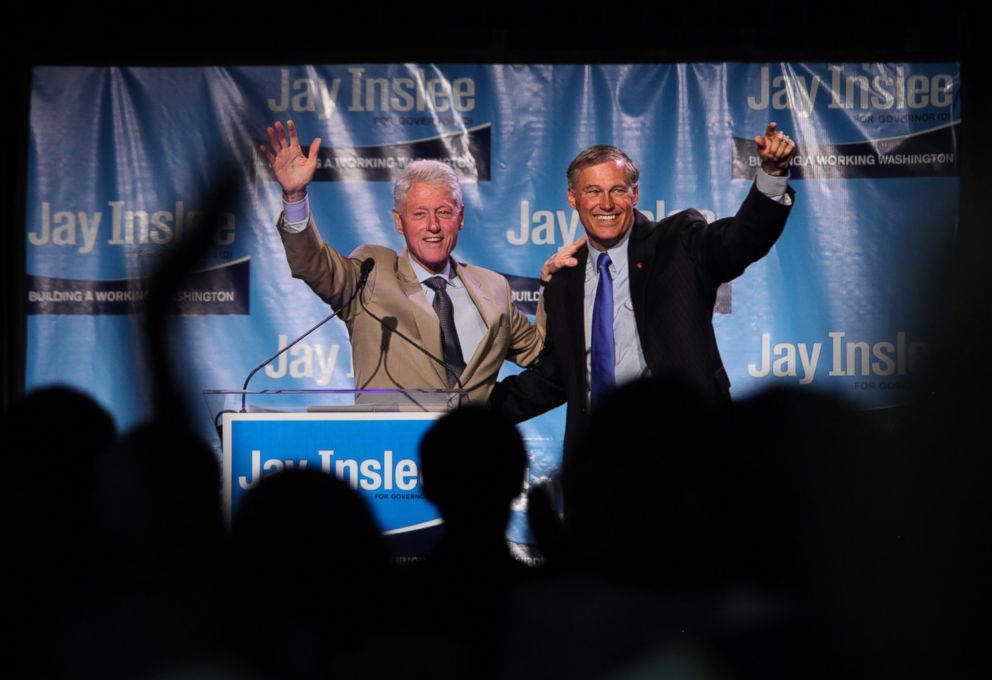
(788, 534)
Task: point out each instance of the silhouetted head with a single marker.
(160, 492)
(307, 574)
(306, 519)
(52, 440)
(638, 487)
(472, 463)
(59, 422)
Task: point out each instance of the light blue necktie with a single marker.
(602, 369)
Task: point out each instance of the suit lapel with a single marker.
(427, 324)
(487, 307)
(489, 310)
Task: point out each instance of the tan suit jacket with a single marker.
(394, 292)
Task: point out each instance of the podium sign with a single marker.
(376, 453)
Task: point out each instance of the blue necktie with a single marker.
(602, 355)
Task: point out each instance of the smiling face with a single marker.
(430, 220)
(605, 200)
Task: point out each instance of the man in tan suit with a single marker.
(458, 312)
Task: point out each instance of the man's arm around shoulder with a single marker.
(538, 388)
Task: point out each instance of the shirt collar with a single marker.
(618, 256)
(421, 274)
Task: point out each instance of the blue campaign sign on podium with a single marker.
(376, 453)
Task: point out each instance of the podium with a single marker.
(367, 438)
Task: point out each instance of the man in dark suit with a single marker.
(638, 300)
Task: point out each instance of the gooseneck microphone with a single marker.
(363, 275)
(389, 328)
(363, 278)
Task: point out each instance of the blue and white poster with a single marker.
(121, 160)
(375, 453)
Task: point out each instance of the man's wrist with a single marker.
(297, 214)
(774, 187)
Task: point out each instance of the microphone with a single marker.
(363, 277)
(368, 264)
(389, 328)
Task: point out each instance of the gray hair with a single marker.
(600, 153)
(426, 172)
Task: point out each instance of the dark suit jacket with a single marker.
(676, 266)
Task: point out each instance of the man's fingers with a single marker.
(314, 148)
(775, 149)
(559, 260)
(269, 156)
(563, 258)
(273, 140)
(775, 144)
(783, 146)
(574, 246)
(280, 136)
(294, 139)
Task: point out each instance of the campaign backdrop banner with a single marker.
(122, 162)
